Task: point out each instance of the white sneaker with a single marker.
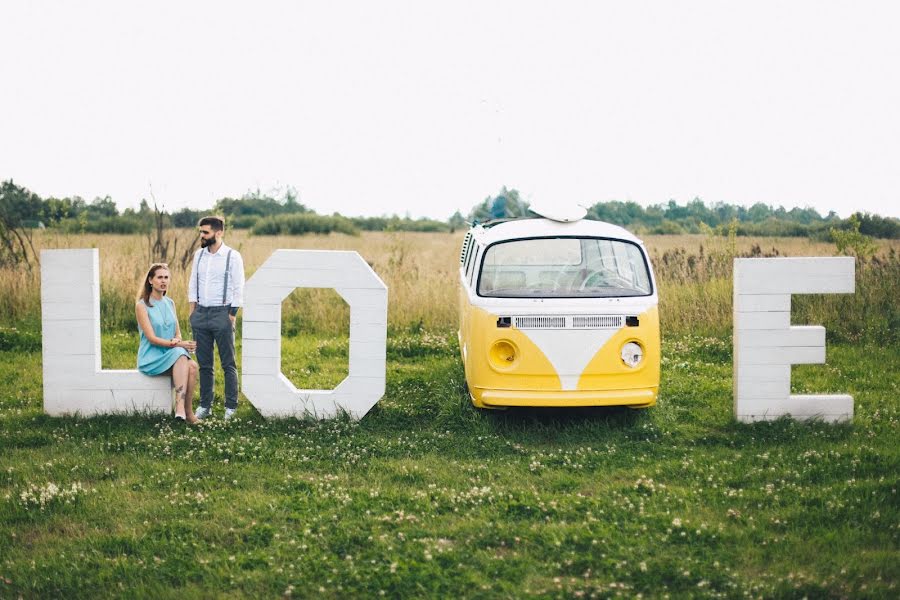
(229, 412)
(202, 412)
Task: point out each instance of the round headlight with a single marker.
(632, 354)
(503, 354)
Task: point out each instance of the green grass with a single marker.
(427, 496)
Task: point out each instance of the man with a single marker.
(215, 293)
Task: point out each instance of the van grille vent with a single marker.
(598, 322)
(541, 322)
(570, 322)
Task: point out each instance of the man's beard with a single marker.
(204, 242)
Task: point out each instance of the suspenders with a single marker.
(224, 287)
(227, 271)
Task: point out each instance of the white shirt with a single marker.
(212, 278)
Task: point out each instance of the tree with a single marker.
(617, 213)
(17, 206)
(759, 212)
(877, 226)
(505, 205)
(259, 204)
(102, 207)
(56, 210)
(456, 221)
(187, 217)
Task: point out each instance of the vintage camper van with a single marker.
(558, 311)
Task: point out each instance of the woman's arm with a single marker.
(189, 345)
(175, 316)
(143, 319)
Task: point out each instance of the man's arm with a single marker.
(192, 285)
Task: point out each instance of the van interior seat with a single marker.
(494, 280)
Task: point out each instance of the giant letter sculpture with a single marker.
(765, 344)
(348, 274)
(70, 317)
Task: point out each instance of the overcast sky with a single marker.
(424, 108)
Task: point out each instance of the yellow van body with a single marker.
(558, 314)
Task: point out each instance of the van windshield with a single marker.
(564, 268)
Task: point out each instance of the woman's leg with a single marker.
(193, 369)
(179, 380)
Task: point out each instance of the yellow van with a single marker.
(558, 312)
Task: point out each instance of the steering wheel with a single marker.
(601, 275)
(561, 276)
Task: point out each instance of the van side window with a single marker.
(468, 263)
(473, 261)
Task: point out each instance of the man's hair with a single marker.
(216, 223)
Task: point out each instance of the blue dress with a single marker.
(153, 359)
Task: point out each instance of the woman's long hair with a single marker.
(145, 289)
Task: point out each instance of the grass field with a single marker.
(428, 497)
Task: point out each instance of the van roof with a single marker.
(490, 232)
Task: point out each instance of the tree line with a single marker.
(281, 212)
(698, 217)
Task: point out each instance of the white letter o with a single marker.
(263, 383)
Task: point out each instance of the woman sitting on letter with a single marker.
(161, 349)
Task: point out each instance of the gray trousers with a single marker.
(211, 324)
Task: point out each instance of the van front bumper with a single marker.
(637, 398)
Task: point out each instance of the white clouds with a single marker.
(369, 108)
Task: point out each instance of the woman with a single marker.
(162, 350)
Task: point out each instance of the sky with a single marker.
(424, 108)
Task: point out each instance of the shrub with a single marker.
(120, 225)
(668, 228)
(299, 224)
(851, 242)
(395, 223)
(243, 221)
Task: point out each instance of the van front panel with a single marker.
(562, 364)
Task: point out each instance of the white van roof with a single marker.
(488, 233)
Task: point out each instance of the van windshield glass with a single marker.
(564, 268)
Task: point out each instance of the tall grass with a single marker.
(420, 270)
(696, 290)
